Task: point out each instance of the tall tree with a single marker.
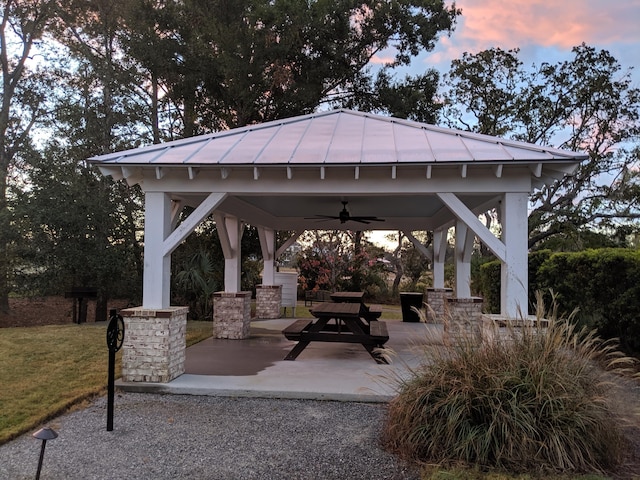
(587, 103)
(259, 60)
(23, 99)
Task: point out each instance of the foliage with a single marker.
(585, 104)
(530, 401)
(331, 262)
(605, 285)
(602, 284)
(258, 60)
(23, 105)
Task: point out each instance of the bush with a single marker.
(531, 401)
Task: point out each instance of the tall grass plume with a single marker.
(532, 399)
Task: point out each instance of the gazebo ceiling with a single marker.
(282, 174)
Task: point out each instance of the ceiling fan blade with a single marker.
(322, 217)
(368, 219)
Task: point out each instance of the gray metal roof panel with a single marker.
(337, 137)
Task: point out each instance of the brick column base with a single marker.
(154, 344)
(231, 315)
(268, 301)
(463, 320)
(435, 300)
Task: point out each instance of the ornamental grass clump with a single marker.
(532, 399)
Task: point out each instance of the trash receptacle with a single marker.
(408, 300)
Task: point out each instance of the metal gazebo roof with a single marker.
(282, 173)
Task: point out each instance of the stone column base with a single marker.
(232, 315)
(463, 321)
(268, 301)
(436, 298)
(154, 344)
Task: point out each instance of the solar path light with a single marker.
(44, 434)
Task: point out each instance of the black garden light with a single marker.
(44, 434)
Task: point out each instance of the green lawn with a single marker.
(45, 370)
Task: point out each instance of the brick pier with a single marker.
(154, 344)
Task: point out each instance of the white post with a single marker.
(514, 297)
(267, 244)
(463, 248)
(439, 253)
(232, 262)
(157, 265)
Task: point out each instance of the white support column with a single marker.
(439, 253)
(230, 231)
(267, 244)
(514, 298)
(463, 249)
(157, 264)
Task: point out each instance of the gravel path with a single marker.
(160, 437)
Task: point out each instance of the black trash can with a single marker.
(408, 300)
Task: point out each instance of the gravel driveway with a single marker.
(160, 437)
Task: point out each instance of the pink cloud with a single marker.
(548, 23)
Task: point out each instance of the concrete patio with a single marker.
(327, 371)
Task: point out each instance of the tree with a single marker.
(24, 105)
(586, 104)
(259, 60)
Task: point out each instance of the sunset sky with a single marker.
(544, 30)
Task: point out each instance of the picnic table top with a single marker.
(331, 309)
(355, 297)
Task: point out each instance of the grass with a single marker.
(46, 370)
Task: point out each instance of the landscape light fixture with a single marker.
(44, 434)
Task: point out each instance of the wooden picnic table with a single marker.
(349, 327)
(369, 313)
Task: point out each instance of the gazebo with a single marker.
(284, 174)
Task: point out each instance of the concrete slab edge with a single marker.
(163, 388)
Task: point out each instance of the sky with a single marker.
(543, 30)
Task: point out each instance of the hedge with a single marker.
(603, 284)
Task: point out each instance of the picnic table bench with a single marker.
(349, 327)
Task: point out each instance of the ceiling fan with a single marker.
(344, 216)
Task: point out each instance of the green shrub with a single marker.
(603, 284)
(530, 401)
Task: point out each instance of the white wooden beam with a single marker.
(440, 243)
(157, 265)
(267, 238)
(462, 212)
(514, 294)
(419, 246)
(183, 230)
(290, 241)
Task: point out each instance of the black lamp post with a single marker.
(44, 434)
